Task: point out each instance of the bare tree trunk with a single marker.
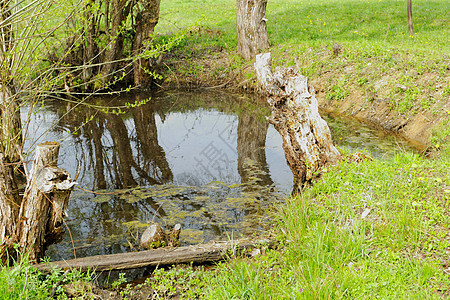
(10, 143)
(410, 18)
(120, 11)
(145, 25)
(251, 27)
(45, 199)
(306, 137)
(9, 200)
(91, 47)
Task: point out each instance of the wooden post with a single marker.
(45, 199)
(410, 18)
(307, 142)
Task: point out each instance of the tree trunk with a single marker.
(9, 200)
(307, 142)
(410, 18)
(251, 27)
(119, 13)
(146, 21)
(45, 199)
(91, 52)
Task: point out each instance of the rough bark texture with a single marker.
(307, 142)
(44, 202)
(9, 200)
(146, 21)
(410, 18)
(114, 50)
(251, 27)
(10, 141)
(213, 251)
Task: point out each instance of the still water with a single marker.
(209, 161)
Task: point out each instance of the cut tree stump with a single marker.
(155, 237)
(210, 252)
(44, 202)
(307, 141)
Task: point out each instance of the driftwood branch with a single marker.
(307, 142)
(213, 251)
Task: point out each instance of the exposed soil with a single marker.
(212, 69)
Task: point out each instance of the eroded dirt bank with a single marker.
(365, 90)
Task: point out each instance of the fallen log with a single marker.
(307, 141)
(202, 253)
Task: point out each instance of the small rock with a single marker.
(401, 86)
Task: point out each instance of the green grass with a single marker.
(22, 281)
(332, 251)
(373, 34)
(367, 24)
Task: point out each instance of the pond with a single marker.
(209, 161)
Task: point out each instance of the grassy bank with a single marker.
(377, 229)
(369, 230)
(380, 63)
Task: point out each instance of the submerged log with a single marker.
(203, 253)
(307, 142)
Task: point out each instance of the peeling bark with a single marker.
(45, 199)
(307, 142)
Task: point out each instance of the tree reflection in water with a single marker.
(123, 151)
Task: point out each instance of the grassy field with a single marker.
(312, 23)
(373, 230)
(378, 53)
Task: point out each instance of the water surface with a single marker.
(209, 161)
